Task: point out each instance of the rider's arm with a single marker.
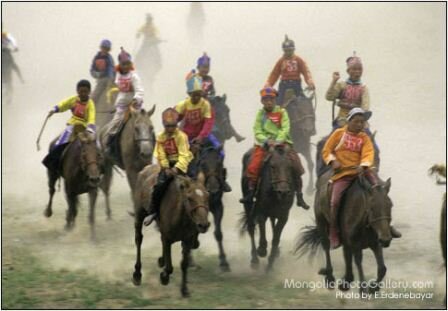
(275, 73)
(160, 155)
(285, 127)
(334, 91)
(66, 104)
(367, 152)
(260, 136)
(93, 71)
(185, 156)
(208, 121)
(365, 99)
(328, 154)
(305, 71)
(91, 116)
(138, 88)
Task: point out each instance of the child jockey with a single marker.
(102, 69)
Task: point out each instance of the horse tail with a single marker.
(243, 223)
(308, 242)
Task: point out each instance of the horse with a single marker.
(364, 221)
(183, 215)
(80, 167)
(210, 164)
(274, 198)
(302, 117)
(148, 59)
(104, 108)
(135, 144)
(223, 129)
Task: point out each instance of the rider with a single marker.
(9, 42)
(102, 69)
(349, 151)
(208, 86)
(350, 93)
(130, 94)
(289, 68)
(272, 128)
(148, 30)
(83, 114)
(196, 114)
(173, 154)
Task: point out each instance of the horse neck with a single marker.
(355, 205)
(173, 208)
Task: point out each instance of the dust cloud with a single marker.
(403, 47)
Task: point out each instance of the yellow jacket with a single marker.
(351, 150)
(83, 114)
(173, 148)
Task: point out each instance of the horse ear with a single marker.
(151, 112)
(201, 178)
(388, 184)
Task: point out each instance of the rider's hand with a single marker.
(335, 164)
(311, 86)
(336, 76)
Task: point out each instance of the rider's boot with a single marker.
(237, 136)
(301, 202)
(225, 187)
(249, 197)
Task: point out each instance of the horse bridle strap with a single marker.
(379, 219)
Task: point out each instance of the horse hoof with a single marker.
(345, 285)
(185, 292)
(322, 271)
(373, 287)
(164, 278)
(68, 227)
(161, 262)
(330, 282)
(137, 279)
(262, 251)
(48, 213)
(225, 267)
(255, 263)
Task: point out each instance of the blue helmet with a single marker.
(105, 43)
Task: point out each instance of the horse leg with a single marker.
(184, 267)
(263, 245)
(254, 262)
(52, 178)
(381, 272)
(328, 270)
(275, 250)
(92, 202)
(348, 277)
(72, 211)
(217, 216)
(105, 187)
(358, 261)
(168, 268)
(309, 162)
(138, 224)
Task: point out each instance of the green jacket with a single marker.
(273, 125)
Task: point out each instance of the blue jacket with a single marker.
(102, 66)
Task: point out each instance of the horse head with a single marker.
(144, 136)
(196, 201)
(222, 112)
(211, 165)
(90, 158)
(379, 211)
(280, 170)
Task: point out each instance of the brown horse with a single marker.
(80, 166)
(274, 198)
(302, 118)
(136, 143)
(364, 221)
(183, 215)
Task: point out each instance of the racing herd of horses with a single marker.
(364, 219)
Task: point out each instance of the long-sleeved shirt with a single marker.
(208, 86)
(354, 93)
(173, 148)
(130, 87)
(102, 66)
(290, 69)
(197, 119)
(350, 149)
(82, 113)
(272, 125)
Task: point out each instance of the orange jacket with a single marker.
(290, 69)
(351, 150)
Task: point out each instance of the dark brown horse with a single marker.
(80, 166)
(302, 118)
(183, 215)
(364, 221)
(274, 199)
(136, 144)
(210, 163)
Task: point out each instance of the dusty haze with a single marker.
(403, 48)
